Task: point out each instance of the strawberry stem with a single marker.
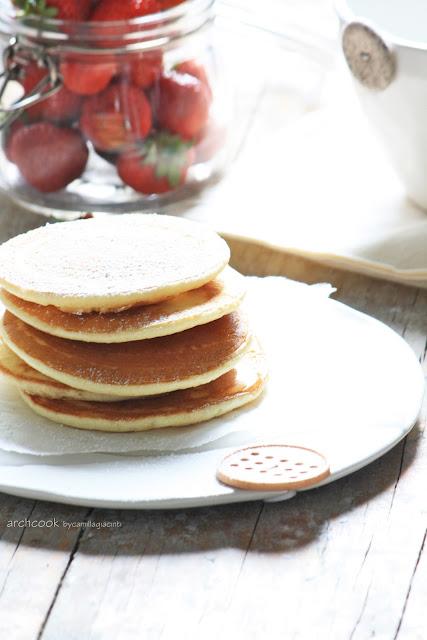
(35, 7)
(168, 154)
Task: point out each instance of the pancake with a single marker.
(234, 389)
(199, 306)
(111, 262)
(33, 382)
(143, 367)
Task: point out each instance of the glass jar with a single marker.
(112, 116)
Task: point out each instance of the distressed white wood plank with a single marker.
(15, 220)
(33, 560)
(413, 624)
(158, 573)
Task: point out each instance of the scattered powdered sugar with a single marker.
(111, 256)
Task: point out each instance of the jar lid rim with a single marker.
(62, 30)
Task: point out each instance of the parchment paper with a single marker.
(323, 357)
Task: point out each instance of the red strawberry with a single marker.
(194, 68)
(30, 77)
(117, 117)
(107, 11)
(58, 9)
(145, 68)
(71, 9)
(112, 10)
(49, 157)
(63, 106)
(87, 77)
(8, 136)
(183, 104)
(159, 165)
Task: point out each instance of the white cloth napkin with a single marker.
(324, 188)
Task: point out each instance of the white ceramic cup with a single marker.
(385, 45)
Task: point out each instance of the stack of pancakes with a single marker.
(126, 323)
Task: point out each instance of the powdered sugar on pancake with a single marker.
(110, 262)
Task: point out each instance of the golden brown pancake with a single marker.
(142, 367)
(33, 382)
(234, 389)
(111, 262)
(199, 306)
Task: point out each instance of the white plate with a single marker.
(340, 382)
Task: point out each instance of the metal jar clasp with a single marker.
(15, 59)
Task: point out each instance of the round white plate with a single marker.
(340, 382)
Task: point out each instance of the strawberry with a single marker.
(117, 117)
(114, 16)
(87, 77)
(78, 10)
(31, 75)
(194, 68)
(63, 106)
(8, 136)
(182, 104)
(145, 68)
(112, 10)
(158, 165)
(49, 157)
(59, 9)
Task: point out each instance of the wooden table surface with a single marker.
(344, 562)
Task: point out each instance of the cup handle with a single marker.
(371, 61)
